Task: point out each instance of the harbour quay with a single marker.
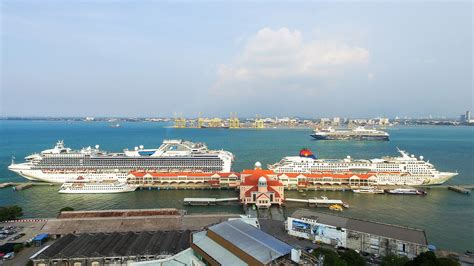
(170, 236)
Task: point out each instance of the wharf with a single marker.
(23, 185)
(206, 201)
(460, 189)
(323, 202)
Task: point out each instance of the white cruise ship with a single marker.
(405, 169)
(60, 164)
(84, 186)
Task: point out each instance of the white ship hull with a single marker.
(403, 170)
(97, 191)
(61, 164)
(62, 177)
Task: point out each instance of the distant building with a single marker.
(367, 236)
(260, 187)
(468, 115)
(239, 243)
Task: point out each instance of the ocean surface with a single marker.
(446, 216)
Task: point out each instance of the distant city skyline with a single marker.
(304, 59)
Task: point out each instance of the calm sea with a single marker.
(447, 217)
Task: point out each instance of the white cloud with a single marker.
(272, 57)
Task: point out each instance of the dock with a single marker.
(23, 185)
(206, 201)
(322, 202)
(460, 189)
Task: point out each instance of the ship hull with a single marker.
(90, 191)
(351, 137)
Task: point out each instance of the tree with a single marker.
(10, 212)
(429, 258)
(394, 260)
(353, 258)
(17, 248)
(331, 258)
(66, 209)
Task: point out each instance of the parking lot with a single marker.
(19, 232)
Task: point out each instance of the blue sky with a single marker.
(311, 59)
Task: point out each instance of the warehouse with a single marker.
(113, 248)
(239, 243)
(357, 234)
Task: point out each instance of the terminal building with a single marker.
(259, 187)
(357, 234)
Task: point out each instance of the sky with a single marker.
(308, 59)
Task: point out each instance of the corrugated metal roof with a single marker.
(374, 228)
(256, 243)
(118, 244)
(216, 251)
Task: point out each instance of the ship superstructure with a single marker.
(405, 169)
(105, 186)
(358, 133)
(61, 164)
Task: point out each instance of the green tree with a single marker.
(10, 212)
(429, 258)
(66, 209)
(353, 258)
(331, 258)
(17, 248)
(394, 260)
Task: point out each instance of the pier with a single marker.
(23, 185)
(206, 201)
(460, 189)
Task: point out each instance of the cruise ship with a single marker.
(60, 164)
(106, 186)
(405, 169)
(358, 133)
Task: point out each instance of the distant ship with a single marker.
(84, 186)
(359, 133)
(402, 170)
(61, 164)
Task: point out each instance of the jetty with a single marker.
(206, 201)
(460, 189)
(322, 202)
(23, 185)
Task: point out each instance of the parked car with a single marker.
(9, 256)
(17, 237)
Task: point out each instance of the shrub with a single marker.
(66, 209)
(10, 212)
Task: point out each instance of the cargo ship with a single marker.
(405, 169)
(358, 133)
(61, 164)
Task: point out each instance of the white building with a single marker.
(357, 234)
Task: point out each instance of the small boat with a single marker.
(368, 190)
(336, 207)
(115, 125)
(406, 191)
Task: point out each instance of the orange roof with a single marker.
(253, 180)
(257, 171)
